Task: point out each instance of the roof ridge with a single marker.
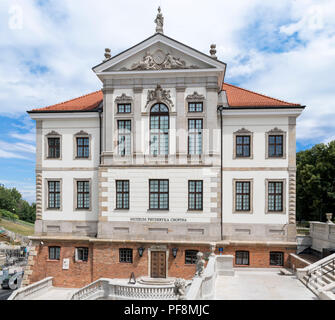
(263, 95)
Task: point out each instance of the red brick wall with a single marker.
(295, 262)
(103, 262)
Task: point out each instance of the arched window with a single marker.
(159, 130)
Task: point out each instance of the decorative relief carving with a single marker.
(276, 130)
(195, 97)
(242, 131)
(81, 133)
(159, 95)
(123, 99)
(159, 61)
(53, 133)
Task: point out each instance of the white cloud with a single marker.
(280, 48)
(26, 188)
(11, 155)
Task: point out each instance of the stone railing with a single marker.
(203, 287)
(109, 289)
(31, 290)
(328, 292)
(323, 235)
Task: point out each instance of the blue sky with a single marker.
(284, 49)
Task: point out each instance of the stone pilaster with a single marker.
(39, 195)
(28, 269)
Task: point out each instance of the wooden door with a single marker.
(158, 264)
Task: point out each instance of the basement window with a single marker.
(242, 258)
(81, 254)
(191, 256)
(276, 259)
(54, 253)
(126, 255)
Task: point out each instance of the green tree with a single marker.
(316, 182)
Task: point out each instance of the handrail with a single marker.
(316, 265)
(31, 289)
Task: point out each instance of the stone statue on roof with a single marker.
(159, 21)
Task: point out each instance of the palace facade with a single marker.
(166, 160)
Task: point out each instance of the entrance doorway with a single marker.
(158, 264)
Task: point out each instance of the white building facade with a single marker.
(169, 159)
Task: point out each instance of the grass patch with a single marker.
(25, 229)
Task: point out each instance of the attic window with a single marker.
(124, 108)
(195, 107)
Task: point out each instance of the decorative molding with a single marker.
(195, 97)
(159, 60)
(275, 130)
(52, 133)
(292, 197)
(159, 95)
(39, 180)
(242, 131)
(81, 133)
(123, 99)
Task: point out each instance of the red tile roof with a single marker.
(87, 102)
(237, 97)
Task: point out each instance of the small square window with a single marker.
(126, 255)
(81, 254)
(191, 256)
(276, 259)
(123, 108)
(54, 253)
(242, 258)
(195, 107)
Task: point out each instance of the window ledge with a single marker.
(119, 209)
(195, 211)
(158, 210)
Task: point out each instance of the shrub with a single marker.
(8, 215)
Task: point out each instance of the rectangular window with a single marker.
(126, 255)
(83, 147)
(195, 195)
(81, 254)
(53, 148)
(275, 196)
(242, 258)
(276, 259)
(83, 194)
(122, 194)
(124, 137)
(124, 108)
(191, 256)
(195, 127)
(242, 146)
(275, 145)
(159, 194)
(242, 194)
(54, 194)
(195, 107)
(54, 253)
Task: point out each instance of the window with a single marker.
(81, 254)
(275, 145)
(195, 107)
(83, 194)
(124, 108)
(83, 147)
(159, 194)
(54, 253)
(242, 258)
(242, 146)
(53, 148)
(126, 255)
(276, 259)
(242, 196)
(159, 130)
(195, 195)
(122, 194)
(195, 127)
(54, 194)
(124, 139)
(275, 196)
(191, 256)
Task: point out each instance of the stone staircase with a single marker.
(319, 276)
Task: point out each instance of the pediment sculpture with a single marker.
(159, 95)
(123, 99)
(195, 97)
(159, 61)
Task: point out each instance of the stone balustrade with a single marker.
(31, 290)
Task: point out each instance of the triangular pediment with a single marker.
(159, 53)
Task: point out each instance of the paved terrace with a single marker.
(261, 284)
